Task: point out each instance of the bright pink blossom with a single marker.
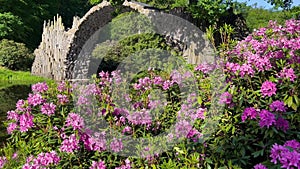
(98, 165)
(39, 87)
(35, 99)
(278, 105)
(70, 144)
(249, 112)
(26, 122)
(75, 120)
(48, 109)
(268, 88)
(267, 119)
(288, 74)
(260, 166)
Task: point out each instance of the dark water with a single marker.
(8, 98)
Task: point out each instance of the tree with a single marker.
(285, 4)
(33, 13)
(11, 27)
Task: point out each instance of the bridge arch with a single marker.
(57, 53)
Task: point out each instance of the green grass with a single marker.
(9, 78)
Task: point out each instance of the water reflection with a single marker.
(8, 98)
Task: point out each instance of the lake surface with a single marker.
(8, 99)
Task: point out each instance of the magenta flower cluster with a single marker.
(260, 166)
(127, 165)
(266, 117)
(70, 144)
(23, 121)
(268, 88)
(42, 160)
(288, 155)
(3, 161)
(96, 142)
(75, 120)
(48, 109)
(98, 165)
(39, 87)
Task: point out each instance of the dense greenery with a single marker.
(126, 47)
(15, 56)
(251, 121)
(22, 21)
(67, 125)
(260, 17)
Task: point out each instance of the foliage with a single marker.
(127, 24)
(259, 122)
(285, 4)
(114, 55)
(11, 27)
(209, 10)
(263, 59)
(9, 78)
(10, 94)
(34, 13)
(259, 17)
(128, 33)
(15, 56)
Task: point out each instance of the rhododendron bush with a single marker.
(258, 127)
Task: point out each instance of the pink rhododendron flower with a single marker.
(20, 106)
(278, 105)
(11, 127)
(293, 144)
(39, 87)
(260, 166)
(226, 98)
(126, 166)
(63, 99)
(268, 88)
(246, 69)
(3, 161)
(12, 115)
(48, 108)
(75, 120)
(142, 117)
(289, 158)
(43, 160)
(98, 165)
(267, 118)
(70, 144)
(282, 124)
(26, 122)
(116, 145)
(288, 73)
(249, 112)
(204, 67)
(62, 86)
(232, 67)
(35, 99)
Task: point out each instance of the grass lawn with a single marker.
(10, 78)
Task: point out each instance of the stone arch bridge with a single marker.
(57, 53)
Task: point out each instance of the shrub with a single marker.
(15, 56)
(258, 127)
(113, 53)
(261, 72)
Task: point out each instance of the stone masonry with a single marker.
(57, 54)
